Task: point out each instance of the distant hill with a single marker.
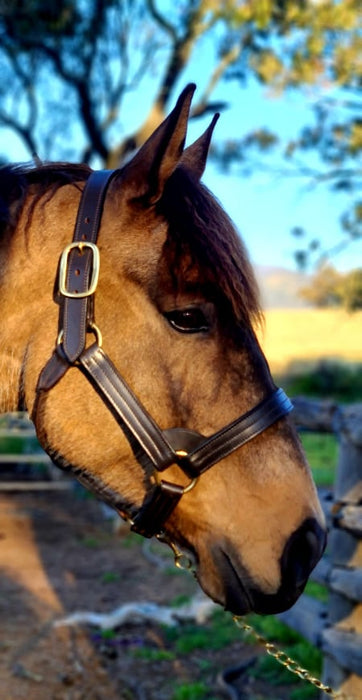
(279, 287)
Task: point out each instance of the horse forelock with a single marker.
(202, 236)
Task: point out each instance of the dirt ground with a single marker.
(60, 554)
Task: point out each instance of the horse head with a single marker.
(176, 305)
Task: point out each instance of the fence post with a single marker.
(342, 639)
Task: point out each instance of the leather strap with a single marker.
(76, 314)
(156, 509)
(126, 408)
(242, 430)
(162, 446)
(192, 452)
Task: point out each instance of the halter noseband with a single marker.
(192, 452)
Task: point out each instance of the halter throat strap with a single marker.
(192, 452)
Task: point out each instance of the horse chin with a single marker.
(224, 584)
(231, 586)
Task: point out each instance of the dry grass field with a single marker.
(294, 338)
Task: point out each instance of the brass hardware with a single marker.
(282, 658)
(92, 328)
(182, 560)
(191, 485)
(63, 270)
(186, 489)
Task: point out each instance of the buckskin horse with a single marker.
(133, 348)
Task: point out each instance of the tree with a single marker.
(84, 60)
(68, 68)
(299, 44)
(323, 289)
(350, 290)
(328, 287)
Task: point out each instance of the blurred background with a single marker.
(90, 81)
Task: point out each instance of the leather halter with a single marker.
(192, 452)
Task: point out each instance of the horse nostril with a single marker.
(302, 552)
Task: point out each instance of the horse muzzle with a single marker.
(240, 594)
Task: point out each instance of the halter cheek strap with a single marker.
(192, 452)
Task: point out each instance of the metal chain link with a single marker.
(182, 561)
(290, 664)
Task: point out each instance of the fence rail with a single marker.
(19, 427)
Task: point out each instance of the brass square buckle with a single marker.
(63, 270)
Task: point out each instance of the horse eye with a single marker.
(192, 320)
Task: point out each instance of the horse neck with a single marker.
(12, 353)
(13, 340)
(22, 272)
(28, 263)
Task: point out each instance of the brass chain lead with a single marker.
(290, 664)
(182, 561)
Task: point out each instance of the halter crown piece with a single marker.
(192, 452)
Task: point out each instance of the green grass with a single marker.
(179, 600)
(153, 655)
(304, 653)
(218, 634)
(91, 542)
(321, 450)
(316, 590)
(341, 382)
(191, 691)
(221, 631)
(16, 444)
(110, 577)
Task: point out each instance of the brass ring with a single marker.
(193, 482)
(92, 328)
(186, 489)
(60, 337)
(191, 485)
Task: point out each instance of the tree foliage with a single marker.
(329, 288)
(68, 68)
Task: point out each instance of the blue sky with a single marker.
(264, 206)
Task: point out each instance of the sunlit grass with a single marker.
(322, 451)
(305, 336)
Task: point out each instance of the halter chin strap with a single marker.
(192, 452)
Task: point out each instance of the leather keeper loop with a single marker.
(156, 509)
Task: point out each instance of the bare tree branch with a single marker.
(162, 21)
(226, 60)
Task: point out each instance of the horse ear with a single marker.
(148, 171)
(194, 157)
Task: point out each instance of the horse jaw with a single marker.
(256, 528)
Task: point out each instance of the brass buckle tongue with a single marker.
(64, 265)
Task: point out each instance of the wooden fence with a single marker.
(28, 455)
(334, 627)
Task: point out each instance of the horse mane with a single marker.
(199, 230)
(15, 181)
